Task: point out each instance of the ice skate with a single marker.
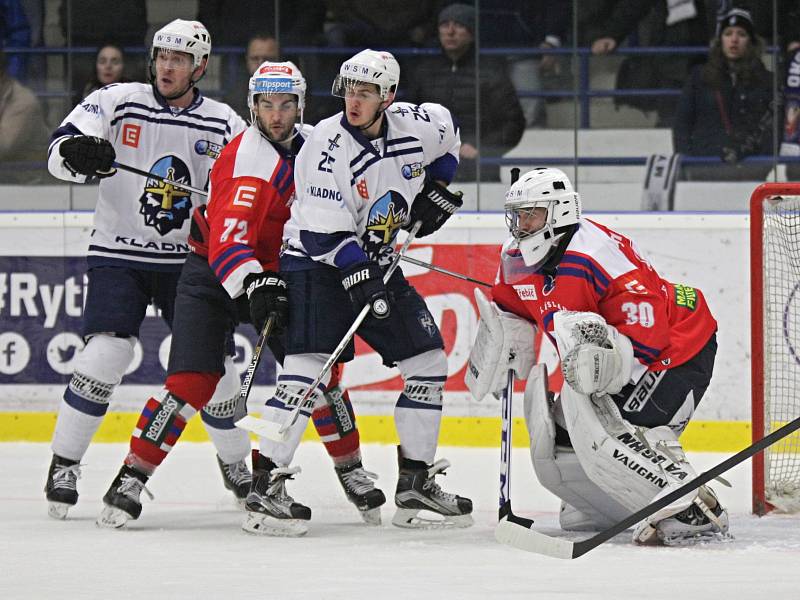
(122, 502)
(270, 509)
(61, 487)
(237, 478)
(704, 521)
(417, 491)
(361, 491)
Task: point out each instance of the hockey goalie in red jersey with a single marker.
(230, 277)
(637, 353)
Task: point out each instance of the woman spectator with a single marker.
(726, 107)
(109, 68)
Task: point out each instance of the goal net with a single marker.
(775, 321)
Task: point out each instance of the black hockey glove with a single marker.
(88, 155)
(433, 206)
(364, 282)
(267, 293)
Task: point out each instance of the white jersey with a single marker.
(353, 194)
(141, 222)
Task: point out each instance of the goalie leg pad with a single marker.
(558, 469)
(504, 341)
(630, 464)
(99, 368)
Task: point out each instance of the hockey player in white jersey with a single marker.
(362, 175)
(139, 241)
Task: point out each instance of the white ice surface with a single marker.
(187, 543)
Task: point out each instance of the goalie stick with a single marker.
(513, 532)
(276, 431)
(505, 457)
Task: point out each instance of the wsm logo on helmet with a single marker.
(165, 206)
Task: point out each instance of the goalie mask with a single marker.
(276, 78)
(368, 66)
(540, 208)
(190, 37)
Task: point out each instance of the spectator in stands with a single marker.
(380, 23)
(15, 31)
(23, 132)
(91, 22)
(526, 24)
(605, 24)
(449, 79)
(726, 108)
(260, 47)
(109, 67)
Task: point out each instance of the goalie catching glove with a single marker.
(599, 359)
(504, 341)
(364, 282)
(88, 155)
(267, 294)
(433, 206)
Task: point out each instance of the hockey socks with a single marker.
(162, 421)
(335, 423)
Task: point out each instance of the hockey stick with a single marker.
(505, 456)
(276, 431)
(171, 182)
(444, 271)
(518, 535)
(240, 410)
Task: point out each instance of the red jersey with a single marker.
(603, 272)
(252, 185)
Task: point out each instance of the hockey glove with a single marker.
(88, 155)
(267, 294)
(433, 206)
(364, 282)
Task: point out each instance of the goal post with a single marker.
(775, 342)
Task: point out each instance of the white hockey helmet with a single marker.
(368, 66)
(183, 36)
(277, 78)
(542, 187)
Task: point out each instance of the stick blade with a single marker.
(262, 428)
(523, 538)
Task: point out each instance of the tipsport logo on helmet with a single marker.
(273, 86)
(164, 206)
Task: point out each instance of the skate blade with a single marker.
(260, 524)
(371, 516)
(112, 518)
(699, 539)
(408, 518)
(58, 510)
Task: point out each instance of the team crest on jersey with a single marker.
(412, 170)
(386, 216)
(166, 207)
(207, 148)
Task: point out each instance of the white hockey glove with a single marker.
(504, 341)
(596, 358)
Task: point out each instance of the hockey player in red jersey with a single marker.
(637, 353)
(231, 276)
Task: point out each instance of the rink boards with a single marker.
(42, 287)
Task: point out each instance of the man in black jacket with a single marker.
(449, 79)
